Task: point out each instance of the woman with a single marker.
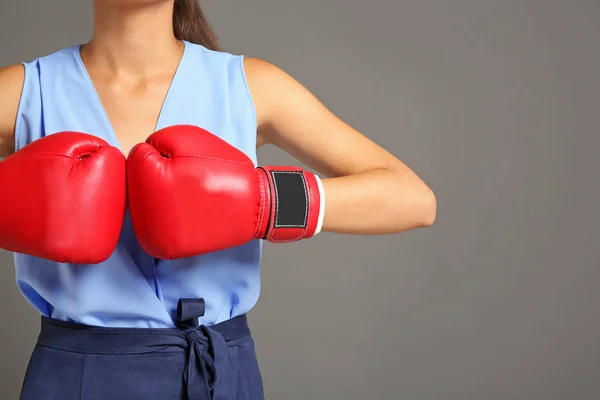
(132, 309)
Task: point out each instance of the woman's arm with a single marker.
(11, 84)
(368, 190)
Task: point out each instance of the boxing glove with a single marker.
(63, 198)
(190, 192)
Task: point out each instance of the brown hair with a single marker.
(190, 24)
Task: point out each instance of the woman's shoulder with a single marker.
(11, 77)
(11, 85)
(268, 82)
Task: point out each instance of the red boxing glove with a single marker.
(190, 192)
(63, 199)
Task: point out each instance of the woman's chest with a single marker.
(133, 112)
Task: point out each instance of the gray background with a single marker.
(496, 105)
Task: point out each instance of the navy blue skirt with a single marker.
(72, 361)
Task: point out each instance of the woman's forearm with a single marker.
(378, 201)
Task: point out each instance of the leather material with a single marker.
(66, 201)
(190, 192)
(305, 192)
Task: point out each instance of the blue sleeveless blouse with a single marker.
(131, 288)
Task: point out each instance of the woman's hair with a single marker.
(190, 24)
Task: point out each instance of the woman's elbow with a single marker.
(419, 209)
(414, 205)
(428, 206)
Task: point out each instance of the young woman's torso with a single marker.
(131, 289)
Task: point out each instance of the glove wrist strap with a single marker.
(296, 205)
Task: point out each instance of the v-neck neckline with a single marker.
(109, 126)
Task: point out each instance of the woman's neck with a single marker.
(131, 40)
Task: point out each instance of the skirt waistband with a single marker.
(99, 340)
